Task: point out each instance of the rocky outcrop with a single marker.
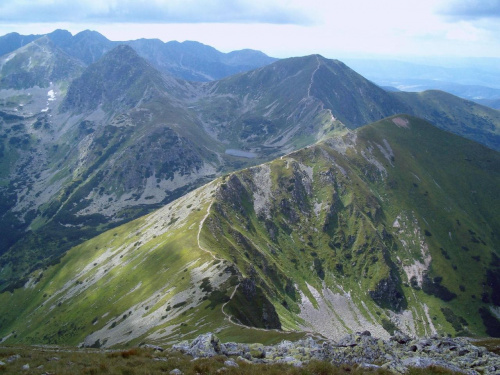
(388, 294)
(397, 354)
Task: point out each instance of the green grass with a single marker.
(140, 361)
(334, 230)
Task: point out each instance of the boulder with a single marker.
(230, 363)
(206, 345)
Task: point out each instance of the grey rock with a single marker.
(241, 359)
(2, 363)
(206, 345)
(399, 353)
(232, 349)
(13, 358)
(285, 346)
(400, 338)
(175, 371)
(422, 362)
(26, 367)
(230, 363)
(349, 340)
(154, 347)
(369, 366)
(425, 342)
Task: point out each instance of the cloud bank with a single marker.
(153, 11)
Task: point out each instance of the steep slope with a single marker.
(120, 144)
(294, 102)
(37, 64)
(289, 104)
(33, 81)
(149, 280)
(391, 226)
(87, 46)
(120, 80)
(459, 116)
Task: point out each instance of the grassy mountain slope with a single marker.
(393, 225)
(456, 115)
(290, 104)
(399, 215)
(160, 286)
(294, 102)
(126, 139)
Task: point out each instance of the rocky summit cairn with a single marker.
(397, 354)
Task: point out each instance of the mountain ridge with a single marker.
(234, 245)
(153, 140)
(188, 60)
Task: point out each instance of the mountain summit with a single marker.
(119, 80)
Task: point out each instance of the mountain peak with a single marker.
(119, 79)
(123, 50)
(90, 34)
(37, 64)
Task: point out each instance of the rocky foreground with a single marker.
(397, 354)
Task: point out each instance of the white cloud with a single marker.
(280, 28)
(153, 11)
(471, 9)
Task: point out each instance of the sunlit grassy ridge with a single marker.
(399, 214)
(392, 226)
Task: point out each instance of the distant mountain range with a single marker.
(472, 79)
(95, 134)
(187, 60)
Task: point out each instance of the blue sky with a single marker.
(281, 28)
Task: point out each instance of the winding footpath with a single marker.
(226, 315)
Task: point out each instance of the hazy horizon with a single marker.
(388, 29)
